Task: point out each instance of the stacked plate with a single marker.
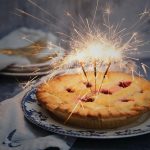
(28, 70)
(42, 59)
(34, 69)
(29, 52)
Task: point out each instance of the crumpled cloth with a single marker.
(19, 38)
(16, 133)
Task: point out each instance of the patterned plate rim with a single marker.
(78, 134)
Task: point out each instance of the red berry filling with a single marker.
(87, 84)
(105, 91)
(141, 91)
(124, 84)
(87, 99)
(69, 90)
(126, 100)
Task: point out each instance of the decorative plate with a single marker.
(38, 116)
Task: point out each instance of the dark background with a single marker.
(129, 9)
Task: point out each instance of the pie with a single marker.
(76, 100)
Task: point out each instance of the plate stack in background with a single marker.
(28, 52)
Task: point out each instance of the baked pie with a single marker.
(121, 100)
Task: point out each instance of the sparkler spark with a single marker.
(79, 102)
(90, 44)
(144, 13)
(104, 76)
(84, 72)
(144, 66)
(95, 74)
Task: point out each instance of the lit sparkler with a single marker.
(95, 73)
(84, 72)
(104, 76)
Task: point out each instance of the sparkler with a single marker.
(84, 72)
(95, 73)
(104, 76)
(79, 102)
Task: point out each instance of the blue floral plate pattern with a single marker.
(40, 117)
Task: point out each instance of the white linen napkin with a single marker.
(23, 37)
(16, 133)
(19, 38)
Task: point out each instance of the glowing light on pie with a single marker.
(98, 48)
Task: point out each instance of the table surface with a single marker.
(10, 86)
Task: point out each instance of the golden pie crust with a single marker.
(121, 100)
